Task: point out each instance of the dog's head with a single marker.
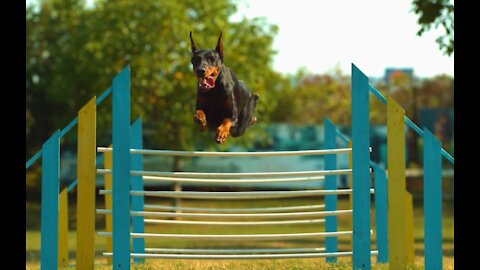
(207, 64)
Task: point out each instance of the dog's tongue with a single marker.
(206, 83)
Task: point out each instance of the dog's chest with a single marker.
(217, 103)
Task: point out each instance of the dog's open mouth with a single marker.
(206, 83)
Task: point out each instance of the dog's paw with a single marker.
(200, 118)
(222, 134)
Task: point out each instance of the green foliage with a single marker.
(436, 13)
(74, 51)
(436, 92)
(313, 97)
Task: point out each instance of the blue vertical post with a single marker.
(432, 194)
(361, 170)
(49, 212)
(331, 242)
(138, 244)
(381, 213)
(121, 170)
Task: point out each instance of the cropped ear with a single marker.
(192, 43)
(219, 47)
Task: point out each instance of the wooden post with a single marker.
(63, 229)
(361, 170)
(432, 190)
(350, 196)
(396, 186)
(138, 244)
(86, 173)
(121, 170)
(331, 243)
(381, 213)
(409, 229)
(49, 212)
(107, 161)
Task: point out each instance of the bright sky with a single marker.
(372, 34)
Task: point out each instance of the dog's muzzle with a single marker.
(206, 83)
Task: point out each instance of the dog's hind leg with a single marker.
(246, 118)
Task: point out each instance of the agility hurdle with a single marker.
(50, 253)
(121, 213)
(54, 203)
(401, 253)
(236, 178)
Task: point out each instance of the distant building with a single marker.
(398, 77)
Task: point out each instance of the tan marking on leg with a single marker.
(200, 118)
(223, 130)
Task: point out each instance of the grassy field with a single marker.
(33, 239)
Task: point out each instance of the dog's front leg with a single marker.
(200, 118)
(223, 130)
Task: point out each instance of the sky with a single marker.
(320, 35)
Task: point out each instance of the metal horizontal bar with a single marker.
(242, 256)
(232, 154)
(232, 175)
(237, 195)
(223, 215)
(235, 210)
(232, 181)
(234, 236)
(232, 251)
(235, 223)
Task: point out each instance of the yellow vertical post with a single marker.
(86, 185)
(63, 229)
(107, 160)
(397, 252)
(409, 229)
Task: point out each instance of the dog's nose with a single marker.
(200, 71)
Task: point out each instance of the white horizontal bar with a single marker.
(243, 215)
(232, 154)
(236, 181)
(239, 210)
(234, 236)
(232, 175)
(236, 195)
(235, 223)
(242, 256)
(233, 251)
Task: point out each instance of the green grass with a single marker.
(33, 239)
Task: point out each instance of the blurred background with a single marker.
(295, 55)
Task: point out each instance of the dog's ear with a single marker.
(192, 43)
(219, 47)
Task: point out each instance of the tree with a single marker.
(74, 51)
(436, 13)
(313, 97)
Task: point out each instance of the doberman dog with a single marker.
(224, 104)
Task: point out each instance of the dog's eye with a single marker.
(211, 58)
